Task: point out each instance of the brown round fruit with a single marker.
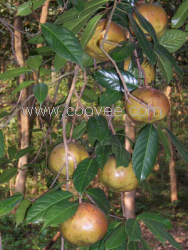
(86, 227)
(155, 15)
(158, 105)
(148, 68)
(119, 179)
(57, 158)
(115, 35)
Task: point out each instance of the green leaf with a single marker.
(157, 218)
(38, 211)
(109, 79)
(173, 40)
(34, 62)
(7, 175)
(87, 61)
(133, 230)
(165, 67)
(2, 145)
(3, 114)
(186, 27)
(122, 52)
(181, 15)
(37, 39)
(23, 152)
(6, 206)
(110, 97)
(12, 152)
(143, 42)
(117, 237)
(145, 152)
(180, 147)
(78, 5)
(90, 30)
(123, 157)
(90, 96)
(97, 127)
(24, 9)
(165, 143)
(103, 153)
(44, 51)
(147, 26)
(84, 174)
(145, 245)
(79, 130)
(63, 42)
(37, 3)
(40, 91)
(59, 62)
(162, 51)
(22, 210)
(13, 73)
(133, 245)
(59, 213)
(100, 199)
(21, 86)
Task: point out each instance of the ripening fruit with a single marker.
(116, 34)
(158, 105)
(148, 68)
(57, 158)
(155, 15)
(119, 179)
(86, 227)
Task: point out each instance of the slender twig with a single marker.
(122, 204)
(119, 218)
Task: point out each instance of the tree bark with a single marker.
(129, 197)
(24, 118)
(172, 168)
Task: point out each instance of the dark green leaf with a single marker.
(173, 40)
(79, 130)
(133, 245)
(117, 237)
(155, 217)
(23, 152)
(24, 9)
(60, 212)
(21, 86)
(40, 91)
(7, 175)
(37, 39)
(100, 199)
(109, 79)
(103, 153)
(12, 152)
(2, 146)
(34, 62)
(87, 61)
(180, 147)
(97, 127)
(165, 143)
(84, 174)
(145, 152)
(37, 212)
(90, 96)
(44, 51)
(90, 30)
(110, 97)
(59, 62)
(6, 206)
(122, 155)
(133, 230)
(165, 67)
(181, 15)
(13, 73)
(63, 42)
(123, 51)
(22, 210)
(78, 5)
(145, 245)
(143, 42)
(37, 3)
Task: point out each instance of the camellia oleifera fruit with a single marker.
(148, 68)
(57, 158)
(157, 102)
(116, 34)
(86, 227)
(155, 15)
(119, 179)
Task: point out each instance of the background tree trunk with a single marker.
(24, 118)
(172, 168)
(129, 197)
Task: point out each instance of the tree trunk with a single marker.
(129, 197)
(173, 180)
(24, 118)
